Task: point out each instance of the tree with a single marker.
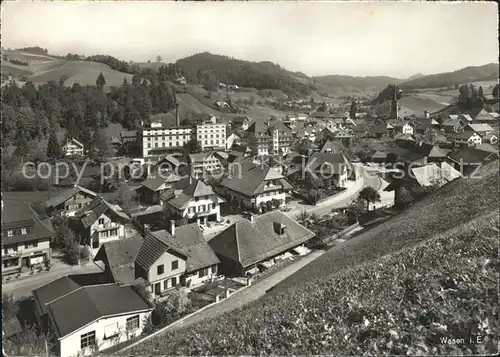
(353, 110)
(158, 58)
(125, 197)
(356, 208)
(495, 91)
(101, 81)
(369, 195)
(22, 142)
(54, 151)
(193, 146)
(480, 93)
(71, 248)
(100, 146)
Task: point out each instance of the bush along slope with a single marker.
(413, 302)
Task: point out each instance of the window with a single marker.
(23, 231)
(165, 284)
(175, 264)
(149, 146)
(174, 281)
(160, 269)
(30, 245)
(133, 323)
(101, 220)
(10, 233)
(203, 272)
(111, 331)
(213, 205)
(113, 232)
(87, 340)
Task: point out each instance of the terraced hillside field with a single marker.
(402, 288)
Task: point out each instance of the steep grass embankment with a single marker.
(426, 276)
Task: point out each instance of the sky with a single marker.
(316, 38)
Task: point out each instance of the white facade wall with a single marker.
(165, 280)
(158, 137)
(202, 207)
(211, 135)
(106, 230)
(407, 129)
(70, 345)
(201, 276)
(269, 196)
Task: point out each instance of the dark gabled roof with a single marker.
(53, 290)
(189, 239)
(95, 208)
(439, 152)
(196, 189)
(250, 243)
(87, 304)
(378, 128)
(470, 155)
(250, 180)
(258, 127)
(486, 147)
(67, 194)
(128, 133)
(18, 214)
(119, 256)
(379, 155)
(155, 244)
(156, 180)
(329, 163)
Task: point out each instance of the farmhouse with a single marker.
(152, 189)
(203, 164)
(25, 237)
(469, 138)
(330, 165)
(99, 222)
(249, 185)
(245, 244)
(69, 201)
(73, 148)
(197, 203)
(482, 116)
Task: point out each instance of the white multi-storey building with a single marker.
(211, 135)
(157, 140)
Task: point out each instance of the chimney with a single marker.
(146, 228)
(177, 121)
(426, 114)
(172, 227)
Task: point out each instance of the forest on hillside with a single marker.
(31, 115)
(208, 69)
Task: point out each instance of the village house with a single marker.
(73, 148)
(249, 185)
(151, 190)
(241, 123)
(330, 165)
(25, 237)
(405, 127)
(221, 105)
(469, 138)
(163, 259)
(180, 80)
(246, 246)
(422, 125)
(99, 222)
(197, 203)
(259, 140)
(128, 136)
(481, 129)
(467, 159)
(87, 319)
(481, 116)
(203, 164)
(455, 124)
(68, 202)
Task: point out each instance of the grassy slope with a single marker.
(442, 274)
(82, 72)
(419, 104)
